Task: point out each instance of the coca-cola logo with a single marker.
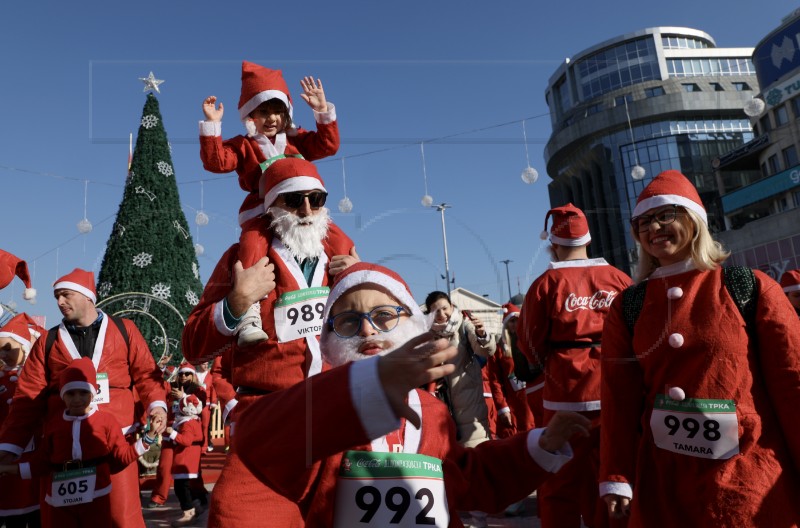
(600, 300)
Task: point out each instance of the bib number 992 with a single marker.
(397, 500)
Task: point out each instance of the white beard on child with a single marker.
(302, 236)
(340, 351)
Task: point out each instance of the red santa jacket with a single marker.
(225, 391)
(19, 496)
(566, 304)
(487, 477)
(270, 365)
(38, 395)
(690, 336)
(507, 391)
(187, 438)
(99, 444)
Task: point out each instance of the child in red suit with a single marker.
(80, 450)
(265, 107)
(186, 435)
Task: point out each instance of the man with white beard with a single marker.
(360, 445)
(290, 283)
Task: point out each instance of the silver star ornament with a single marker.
(151, 83)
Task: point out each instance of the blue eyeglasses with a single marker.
(383, 319)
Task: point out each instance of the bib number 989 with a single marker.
(305, 313)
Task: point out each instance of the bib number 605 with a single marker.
(72, 487)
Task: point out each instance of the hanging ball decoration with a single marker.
(638, 172)
(530, 175)
(754, 107)
(427, 200)
(84, 226)
(199, 249)
(345, 205)
(201, 218)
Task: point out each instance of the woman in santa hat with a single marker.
(699, 421)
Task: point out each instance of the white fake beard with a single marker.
(340, 351)
(302, 236)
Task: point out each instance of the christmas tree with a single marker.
(149, 272)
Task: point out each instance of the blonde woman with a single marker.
(699, 391)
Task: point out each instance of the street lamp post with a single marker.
(508, 277)
(441, 207)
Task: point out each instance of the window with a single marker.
(772, 163)
(654, 92)
(690, 87)
(593, 109)
(765, 123)
(741, 86)
(620, 99)
(781, 115)
(790, 158)
(717, 87)
(796, 106)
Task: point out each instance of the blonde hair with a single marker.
(706, 253)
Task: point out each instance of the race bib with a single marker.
(298, 314)
(103, 390)
(72, 487)
(694, 427)
(390, 489)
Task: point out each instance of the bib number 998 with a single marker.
(398, 500)
(692, 427)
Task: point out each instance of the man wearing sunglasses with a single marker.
(290, 284)
(359, 445)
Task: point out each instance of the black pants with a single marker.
(29, 520)
(186, 493)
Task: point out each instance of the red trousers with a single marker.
(94, 514)
(163, 474)
(126, 508)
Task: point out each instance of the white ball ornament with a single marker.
(201, 218)
(675, 340)
(675, 293)
(677, 393)
(529, 175)
(754, 107)
(345, 205)
(84, 226)
(638, 172)
(199, 249)
(427, 200)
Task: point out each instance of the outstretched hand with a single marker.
(250, 285)
(418, 362)
(210, 110)
(563, 426)
(339, 263)
(313, 94)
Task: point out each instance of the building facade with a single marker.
(760, 181)
(660, 98)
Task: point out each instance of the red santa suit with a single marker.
(691, 351)
(350, 412)
(508, 392)
(96, 440)
(38, 398)
(187, 438)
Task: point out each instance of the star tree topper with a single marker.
(151, 83)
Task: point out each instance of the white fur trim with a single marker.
(226, 411)
(504, 410)
(548, 461)
(262, 97)
(369, 399)
(11, 448)
(74, 286)
(669, 199)
(787, 289)
(29, 294)
(571, 242)
(157, 404)
(673, 269)
(623, 489)
(219, 321)
(26, 343)
(249, 214)
(19, 511)
(184, 475)
(173, 435)
(326, 118)
(572, 406)
(211, 128)
(81, 385)
(296, 183)
(534, 388)
(397, 289)
(140, 447)
(25, 471)
(582, 263)
(188, 369)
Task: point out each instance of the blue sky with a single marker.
(399, 73)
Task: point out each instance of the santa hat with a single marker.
(260, 84)
(288, 174)
(670, 188)
(790, 281)
(81, 375)
(365, 273)
(190, 405)
(510, 311)
(187, 367)
(78, 280)
(24, 330)
(11, 266)
(570, 227)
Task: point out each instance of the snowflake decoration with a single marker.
(142, 259)
(195, 270)
(149, 121)
(161, 290)
(104, 289)
(191, 298)
(158, 340)
(164, 168)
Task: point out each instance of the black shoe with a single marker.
(153, 505)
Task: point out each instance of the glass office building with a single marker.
(660, 98)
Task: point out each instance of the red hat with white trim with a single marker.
(78, 280)
(670, 188)
(11, 266)
(81, 375)
(570, 227)
(510, 311)
(187, 367)
(24, 330)
(190, 405)
(289, 174)
(790, 281)
(260, 84)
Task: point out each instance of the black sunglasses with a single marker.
(294, 200)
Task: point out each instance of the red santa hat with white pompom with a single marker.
(12, 266)
(570, 227)
(510, 311)
(78, 280)
(80, 375)
(259, 85)
(24, 330)
(284, 174)
(670, 188)
(190, 405)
